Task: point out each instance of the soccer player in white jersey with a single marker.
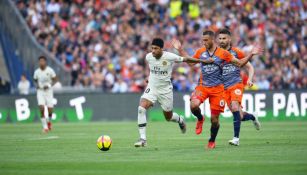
(45, 78)
(160, 87)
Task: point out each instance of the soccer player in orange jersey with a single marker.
(234, 87)
(210, 83)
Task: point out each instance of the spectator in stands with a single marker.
(120, 86)
(82, 34)
(5, 86)
(24, 85)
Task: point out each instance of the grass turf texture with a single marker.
(280, 148)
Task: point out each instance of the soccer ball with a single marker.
(104, 143)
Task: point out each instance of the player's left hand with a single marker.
(250, 83)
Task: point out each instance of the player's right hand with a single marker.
(257, 50)
(250, 83)
(176, 44)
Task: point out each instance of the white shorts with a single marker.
(165, 99)
(45, 98)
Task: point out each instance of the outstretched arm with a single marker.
(190, 60)
(240, 63)
(178, 46)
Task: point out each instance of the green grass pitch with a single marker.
(280, 148)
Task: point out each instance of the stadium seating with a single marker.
(105, 42)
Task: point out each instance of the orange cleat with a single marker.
(211, 145)
(49, 125)
(199, 126)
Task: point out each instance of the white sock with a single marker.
(44, 123)
(176, 118)
(142, 122)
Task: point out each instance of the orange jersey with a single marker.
(211, 74)
(231, 72)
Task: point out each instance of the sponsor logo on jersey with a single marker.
(158, 71)
(229, 68)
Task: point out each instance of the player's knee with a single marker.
(194, 106)
(215, 117)
(215, 121)
(234, 106)
(145, 104)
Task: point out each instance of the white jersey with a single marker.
(44, 77)
(161, 70)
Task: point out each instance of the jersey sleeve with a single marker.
(35, 75)
(240, 53)
(52, 73)
(197, 54)
(225, 55)
(175, 58)
(147, 57)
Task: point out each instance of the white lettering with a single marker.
(292, 106)
(22, 109)
(260, 104)
(279, 102)
(77, 102)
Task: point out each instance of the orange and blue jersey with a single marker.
(211, 74)
(231, 72)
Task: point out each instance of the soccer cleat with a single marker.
(140, 143)
(49, 126)
(45, 130)
(199, 126)
(256, 122)
(234, 141)
(211, 145)
(183, 126)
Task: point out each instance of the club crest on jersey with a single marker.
(204, 55)
(222, 103)
(238, 92)
(164, 63)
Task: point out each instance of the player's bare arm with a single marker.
(251, 71)
(147, 74)
(241, 62)
(178, 46)
(36, 84)
(54, 80)
(193, 60)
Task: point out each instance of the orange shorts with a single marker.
(234, 93)
(215, 95)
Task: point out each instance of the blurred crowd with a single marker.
(104, 42)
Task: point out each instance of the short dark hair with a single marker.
(42, 57)
(208, 32)
(224, 31)
(158, 42)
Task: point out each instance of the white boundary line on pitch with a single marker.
(45, 138)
